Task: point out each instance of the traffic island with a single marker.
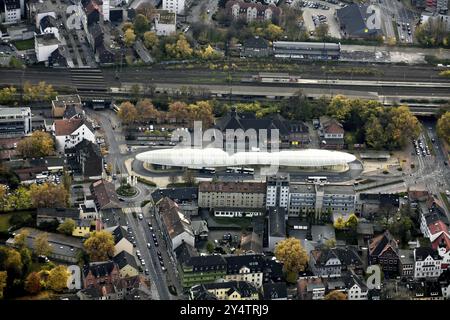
(126, 190)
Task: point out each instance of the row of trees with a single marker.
(433, 33)
(443, 127)
(31, 93)
(46, 195)
(350, 223)
(144, 111)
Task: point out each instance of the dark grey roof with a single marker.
(256, 42)
(48, 22)
(12, 4)
(382, 198)
(203, 261)
(58, 213)
(234, 120)
(92, 159)
(178, 195)
(184, 252)
(276, 290)
(352, 19)
(70, 112)
(99, 269)
(347, 256)
(57, 59)
(124, 258)
(422, 253)
(199, 292)
(277, 222)
(119, 233)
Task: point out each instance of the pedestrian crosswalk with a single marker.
(132, 209)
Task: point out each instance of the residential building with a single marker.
(356, 287)
(63, 102)
(98, 274)
(129, 288)
(333, 262)
(305, 197)
(165, 22)
(286, 133)
(228, 290)
(426, 290)
(57, 59)
(86, 159)
(276, 227)
(231, 194)
(427, 263)
(15, 122)
(311, 288)
(121, 241)
(356, 21)
(12, 11)
(105, 196)
(20, 32)
(56, 214)
(277, 194)
(69, 132)
(44, 45)
(406, 263)
(250, 11)
(126, 264)
(255, 47)
(306, 50)
(331, 132)
(175, 6)
(369, 204)
(83, 228)
(383, 250)
(175, 226)
(274, 291)
(185, 197)
(254, 268)
(65, 249)
(200, 229)
(201, 269)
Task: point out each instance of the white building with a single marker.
(277, 191)
(165, 23)
(49, 25)
(70, 132)
(356, 289)
(176, 6)
(427, 263)
(44, 45)
(12, 11)
(15, 121)
(105, 9)
(121, 242)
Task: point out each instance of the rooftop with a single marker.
(46, 39)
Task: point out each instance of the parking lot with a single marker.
(319, 12)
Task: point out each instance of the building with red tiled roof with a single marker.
(69, 132)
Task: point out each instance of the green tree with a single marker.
(443, 127)
(141, 24)
(210, 247)
(181, 49)
(146, 110)
(293, 256)
(99, 246)
(339, 223)
(41, 245)
(150, 39)
(67, 226)
(19, 239)
(39, 144)
(330, 243)
(33, 283)
(25, 256)
(8, 94)
(57, 278)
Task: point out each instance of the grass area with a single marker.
(126, 190)
(394, 25)
(24, 44)
(244, 223)
(146, 182)
(4, 222)
(180, 185)
(445, 199)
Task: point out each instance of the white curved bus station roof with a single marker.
(214, 157)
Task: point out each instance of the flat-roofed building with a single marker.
(231, 194)
(15, 122)
(306, 50)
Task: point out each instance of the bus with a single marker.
(232, 170)
(208, 170)
(317, 179)
(248, 171)
(115, 108)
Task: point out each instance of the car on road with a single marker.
(445, 163)
(134, 244)
(143, 262)
(163, 269)
(147, 272)
(156, 243)
(140, 216)
(447, 192)
(148, 245)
